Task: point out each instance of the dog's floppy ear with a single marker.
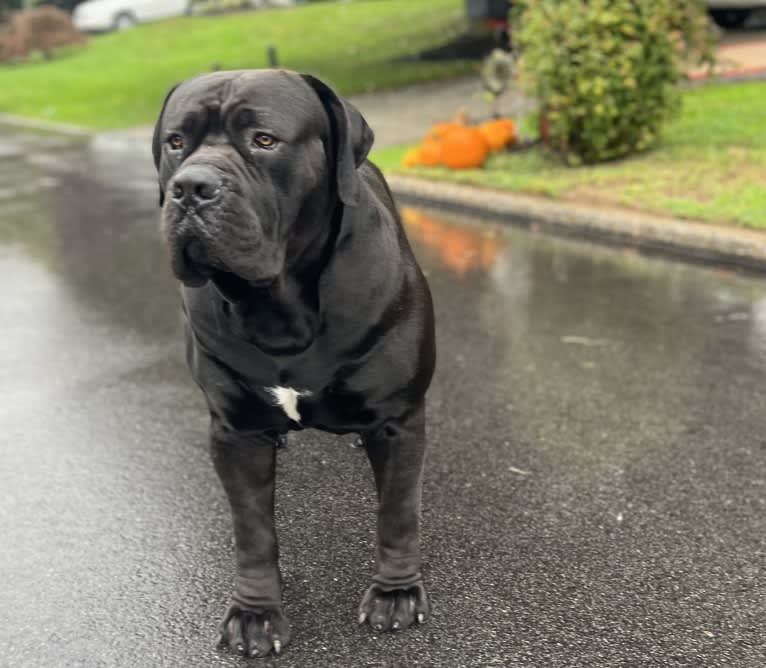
(353, 139)
(157, 139)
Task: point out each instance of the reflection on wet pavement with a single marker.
(596, 490)
(461, 248)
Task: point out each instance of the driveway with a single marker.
(596, 481)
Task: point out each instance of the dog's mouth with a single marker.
(234, 287)
(191, 263)
(196, 267)
(197, 257)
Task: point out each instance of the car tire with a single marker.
(123, 21)
(730, 18)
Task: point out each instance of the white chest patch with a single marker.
(287, 398)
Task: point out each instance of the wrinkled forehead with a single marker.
(268, 99)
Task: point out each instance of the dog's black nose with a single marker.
(196, 184)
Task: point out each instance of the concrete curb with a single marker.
(689, 240)
(41, 125)
(694, 241)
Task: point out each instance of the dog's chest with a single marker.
(250, 390)
(334, 407)
(287, 408)
(287, 399)
(249, 394)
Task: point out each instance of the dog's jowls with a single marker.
(304, 307)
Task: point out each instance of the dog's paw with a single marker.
(255, 633)
(394, 610)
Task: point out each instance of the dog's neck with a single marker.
(284, 318)
(279, 319)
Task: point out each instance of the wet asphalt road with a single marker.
(596, 485)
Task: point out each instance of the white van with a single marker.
(103, 15)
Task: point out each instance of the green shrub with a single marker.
(605, 72)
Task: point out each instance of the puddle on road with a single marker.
(461, 248)
(529, 288)
(79, 215)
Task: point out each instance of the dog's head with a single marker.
(251, 164)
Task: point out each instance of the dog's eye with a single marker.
(263, 140)
(176, 142)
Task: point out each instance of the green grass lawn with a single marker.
(119, 79)
(711, 164)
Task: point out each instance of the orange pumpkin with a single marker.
(411, 158)
(438, 130)
(498, 132)
(463, 147)
(430, 152)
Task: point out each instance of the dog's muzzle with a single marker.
(210, 235)
(193, 189)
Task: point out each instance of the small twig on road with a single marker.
(513, 469)
(584, 341)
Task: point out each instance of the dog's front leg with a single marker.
(254, 624)
(397, 597)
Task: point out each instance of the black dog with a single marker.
(304, 307)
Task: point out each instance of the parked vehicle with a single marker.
(103, 15)
(726, 13)
(733, 13)
(487, 10)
